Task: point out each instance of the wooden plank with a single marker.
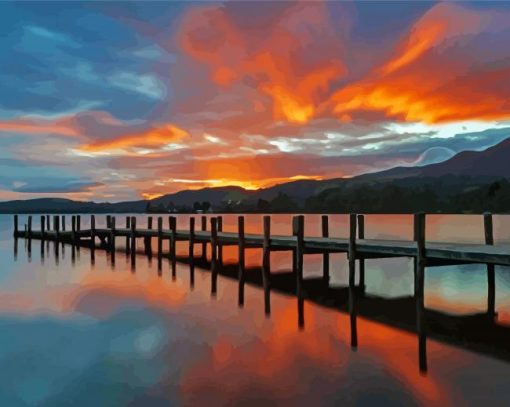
(266, 263)
(491, 278)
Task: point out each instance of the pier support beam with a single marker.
(351, 257)
(191, 251)
(160, 244)
(16, 230)
(43, 229)
(361, 262)
(325, 256)
(419, 233)
(241, 259)
(491, 278)
(128, 227)
(220, 246)
(298, 230)
(172, 223)
(111, 240)
(204, 244)
(133, 242)
(147, 239)
(214, 255)
(92, 239)
(266, 264)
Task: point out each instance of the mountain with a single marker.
(469, 179)
(493, 162)
(57, 205)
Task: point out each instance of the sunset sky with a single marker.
(117, 101)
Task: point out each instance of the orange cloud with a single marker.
(292, 59)
(38, 126)
(156, 137)
(436, 74)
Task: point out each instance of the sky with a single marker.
(121, 101)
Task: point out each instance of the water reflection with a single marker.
(152, 325)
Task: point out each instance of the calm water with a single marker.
(82, 334)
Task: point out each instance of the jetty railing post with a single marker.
(419, 223)
(16, 230)
(351, 257)
(191, 251)
(48, 222)
(30, 227)
(491, 279)
(56, 225)
(325, 255)
(241, 259)
(133, 241)
(92, 239)
(266, 263)
(128, 227)
(214, 254)
(73, 230)
(63, 223)
(43, 230)
(111, 240)
(172, 223)
(78, 223)
(147, 239)
(160, 244)
(298, 230)
(220, 246)
(108, 219)
(361, 235)
(204, 244)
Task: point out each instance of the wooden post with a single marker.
(160, 244)
(419, 232)
(351, 257)
(133, 242)
(56, 225)
(113, 226)
(43, 230)
(214, 254)
(298, 230)
(78, 223)
(108, 220)
(147, 239)
(172, 223)
(48, 222)
(361, 235)
(240, 231)
(204, 244)
(266, 263)
(191, 251)
(30, 226)
(128, 227)
(491, 278)
(16, 230)
(325, 256)
(63, 223)
(73, 229)
(93, 230)
(220, 246)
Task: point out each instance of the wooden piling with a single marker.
(63, 223)
(108, 219)
(93, 230)
(133, 242)
(113, 227)
(325, 256)
(56, 225)
(241, 259)
(266, 263)
(128, 227)
(491, 278)
(298, 230)
(73, 230)
(16, 230)
(43, 230)
(204, 244)
(48, 222)
(351, 258)
(191, 252)
(220, 246)
(160, 237)
(361, 235)
(147, 239)
(78, 223)
(214, 255)
(30, 226)
(172, 224)
(419, 223)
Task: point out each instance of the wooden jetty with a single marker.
(356, 247)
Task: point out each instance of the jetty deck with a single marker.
(356, 247)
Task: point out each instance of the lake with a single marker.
(88, 333)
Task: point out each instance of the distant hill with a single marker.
(467, 181)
